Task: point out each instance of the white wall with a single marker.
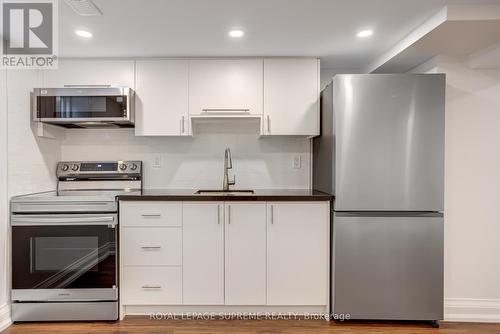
(32, 160)
(4, 307)
(472, 189)
(197, 162)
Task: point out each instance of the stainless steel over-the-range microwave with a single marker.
(84, 107)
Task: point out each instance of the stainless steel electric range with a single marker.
(64, 243)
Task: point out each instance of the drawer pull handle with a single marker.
(151, 286)
(151, 215)
(150, 247)
(225, 110)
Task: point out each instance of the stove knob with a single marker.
(123, 167)
(133, 167)
(65, 168)
(75, 167)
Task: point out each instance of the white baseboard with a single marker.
(472, 310)
(5, 320)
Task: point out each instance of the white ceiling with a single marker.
(324, 28)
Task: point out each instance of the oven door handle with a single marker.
(60, 221)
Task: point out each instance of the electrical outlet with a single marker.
(296, 162)
(157, 162)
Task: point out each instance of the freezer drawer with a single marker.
(389, 138)
(388, 266)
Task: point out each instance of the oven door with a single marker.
(64, 257)
(70, 105)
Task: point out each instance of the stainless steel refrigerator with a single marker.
(381, 153)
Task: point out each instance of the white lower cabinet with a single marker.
(297, 253)
(203, 253)
(245, 253)
(235, 253)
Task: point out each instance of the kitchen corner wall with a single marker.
(31, 159)
(197, 162)
(4, 215)
(472, 189)
(27, 162)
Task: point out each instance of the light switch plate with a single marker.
(296, 163)
(157, 162)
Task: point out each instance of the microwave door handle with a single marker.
(58, 221)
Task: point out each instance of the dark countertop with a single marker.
(258, 195)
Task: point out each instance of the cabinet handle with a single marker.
(218, 214)
(151, 215)
(182, 125)
(268, 124)
(272, 214)
(229, 214)
(150, 247)
(151, 286)
(83, 86)
(225, 110)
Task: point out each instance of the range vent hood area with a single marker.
(226, 122)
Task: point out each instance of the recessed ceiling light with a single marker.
(365, 33)
(83, 33)
(236, 33)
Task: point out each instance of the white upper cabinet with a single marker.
(161, 101)
(232, 86)
(245, 251)
(118, 73)
(203, 253)
(297, 253)
(291, 97)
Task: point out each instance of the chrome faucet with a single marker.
(228, 164)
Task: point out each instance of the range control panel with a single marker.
(83, 168)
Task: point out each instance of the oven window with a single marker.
(57, 257)
(70, 254)
(81, 106)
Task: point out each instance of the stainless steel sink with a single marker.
(224, 193)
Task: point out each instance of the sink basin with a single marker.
(223, 193)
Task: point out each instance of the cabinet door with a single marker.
(203, 253)
(90, 72)
(245, 250)
(225, 86)
(297, 253)
(161, 102)
(291, 97)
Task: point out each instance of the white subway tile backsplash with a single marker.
(31, 160)
(197, 162)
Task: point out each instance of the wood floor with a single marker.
(142, 325)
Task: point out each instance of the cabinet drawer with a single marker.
(152, 285)
(151, 246)
(151, 213)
